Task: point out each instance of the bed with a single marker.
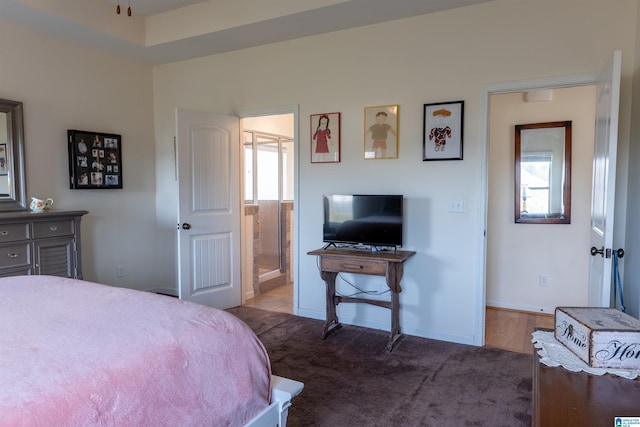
(77, 353)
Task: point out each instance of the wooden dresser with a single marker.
(564, 398)
(41, 243)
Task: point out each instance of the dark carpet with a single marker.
(351, 380)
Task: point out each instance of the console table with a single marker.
(379, 263)
(561, 397)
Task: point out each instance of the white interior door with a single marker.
(604, 181)
(208, 148)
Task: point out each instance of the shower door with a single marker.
(267, 183)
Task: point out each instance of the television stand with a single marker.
(387, 264)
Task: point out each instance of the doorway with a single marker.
(531, 268)
(268, 173)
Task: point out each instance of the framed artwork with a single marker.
(442, 138)
(381, 132)
(95, 160)
(325, 138)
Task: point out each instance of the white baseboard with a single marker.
(459, 339)
(164, 291)
(521, 307)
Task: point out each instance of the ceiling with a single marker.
(249, 23)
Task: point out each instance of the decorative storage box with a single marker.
(601, 337)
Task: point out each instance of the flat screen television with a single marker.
(360, 219)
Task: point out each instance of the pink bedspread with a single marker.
(75, 353)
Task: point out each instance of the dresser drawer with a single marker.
(23, 270)
(14, 232)
(52, 228)
(354, 266)
(15, 255)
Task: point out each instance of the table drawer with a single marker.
(14, 232)
(15, 255)
(354, 266)
(52, 229)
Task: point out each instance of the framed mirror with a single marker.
(543, 173)
(12, 170)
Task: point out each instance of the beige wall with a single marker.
(64, 86)
(447, 56)
(517, 254)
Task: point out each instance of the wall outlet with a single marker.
(456, 205)
(120, 271)
(544, 280)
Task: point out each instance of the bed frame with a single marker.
(282, 391)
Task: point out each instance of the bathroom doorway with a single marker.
(268, 159)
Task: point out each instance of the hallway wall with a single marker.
(517, 254)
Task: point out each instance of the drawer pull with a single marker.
(4, 233)
(13, 255)
(53, 228)
(359, 266)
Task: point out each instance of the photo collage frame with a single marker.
(95, 160)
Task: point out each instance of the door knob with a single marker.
(186, 226)
(595, 251)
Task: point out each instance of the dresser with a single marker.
(41, 243)
(577, 399)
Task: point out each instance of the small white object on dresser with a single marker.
(601, 337)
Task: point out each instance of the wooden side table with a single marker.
(380, 263)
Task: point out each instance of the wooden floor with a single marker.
(504, 329)
(512, 329)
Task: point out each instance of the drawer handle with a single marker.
(354, 266)
(4, 233)
(53, 228)
(10, 255)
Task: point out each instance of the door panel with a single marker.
(209, 208)
(604, 181)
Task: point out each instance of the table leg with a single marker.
(394, 275)
(332, 322)
(395, 334)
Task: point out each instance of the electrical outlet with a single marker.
(120, 271)
(456, 205)
(544, 280)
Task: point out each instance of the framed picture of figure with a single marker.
(442, 132)
(381, 132)
(325, 138)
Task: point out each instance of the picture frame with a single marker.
(381, 132)
(443, 131)
(95, 160)
(325, 137)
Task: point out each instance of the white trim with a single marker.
(163, 291)
(529, 308)
(485, 95)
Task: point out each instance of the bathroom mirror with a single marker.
(543, 173)
(12, 173)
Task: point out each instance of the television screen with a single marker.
(374, 220)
